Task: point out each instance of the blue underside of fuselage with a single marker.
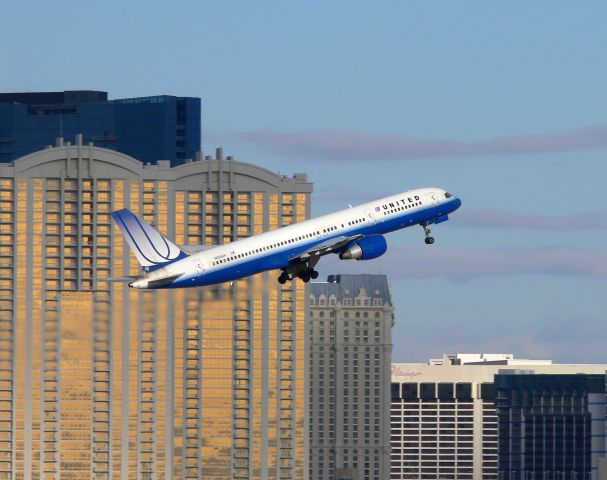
(279, 258)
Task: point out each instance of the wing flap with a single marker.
(324, 248)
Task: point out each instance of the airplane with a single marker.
(353, 233)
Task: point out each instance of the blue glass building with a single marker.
(550, 427)
(149, 129)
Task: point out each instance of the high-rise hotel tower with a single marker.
(101, 381)
(350, 332)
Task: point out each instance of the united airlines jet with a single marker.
(354, 233)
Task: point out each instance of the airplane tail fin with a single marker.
(151, 248)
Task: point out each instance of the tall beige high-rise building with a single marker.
(101, 381)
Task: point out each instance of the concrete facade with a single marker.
(444, 420)
(101, 381)
(350, 334)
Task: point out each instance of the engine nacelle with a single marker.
(365, 248)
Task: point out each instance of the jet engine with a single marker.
(365, 248)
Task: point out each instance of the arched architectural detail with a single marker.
(89, 161)
(75, 160)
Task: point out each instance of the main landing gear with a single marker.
(303, 269)
(304, 275)
(429, 239)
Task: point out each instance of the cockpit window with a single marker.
(448, 195)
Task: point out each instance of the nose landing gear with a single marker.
(429, 239)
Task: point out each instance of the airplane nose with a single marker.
(457, 203)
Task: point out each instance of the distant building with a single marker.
(148, 129)
(101, 381)
(485, 359)
(444, 421)
(550, 426)
(602, 460)
(350, 344)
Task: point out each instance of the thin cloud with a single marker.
(465, 264)
(565, 339)
(495, 218)
(345, 195)
(590, 349)
(360, 146)
(481, 218)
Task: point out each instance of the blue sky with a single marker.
(501, 103)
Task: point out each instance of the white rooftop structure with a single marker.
(484, 358)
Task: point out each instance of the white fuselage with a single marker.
(277, 248)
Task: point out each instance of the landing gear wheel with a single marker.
(314, 274)
(282, 279)
(304, 276)
(429, 240)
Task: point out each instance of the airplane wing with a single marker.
(329, 246)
